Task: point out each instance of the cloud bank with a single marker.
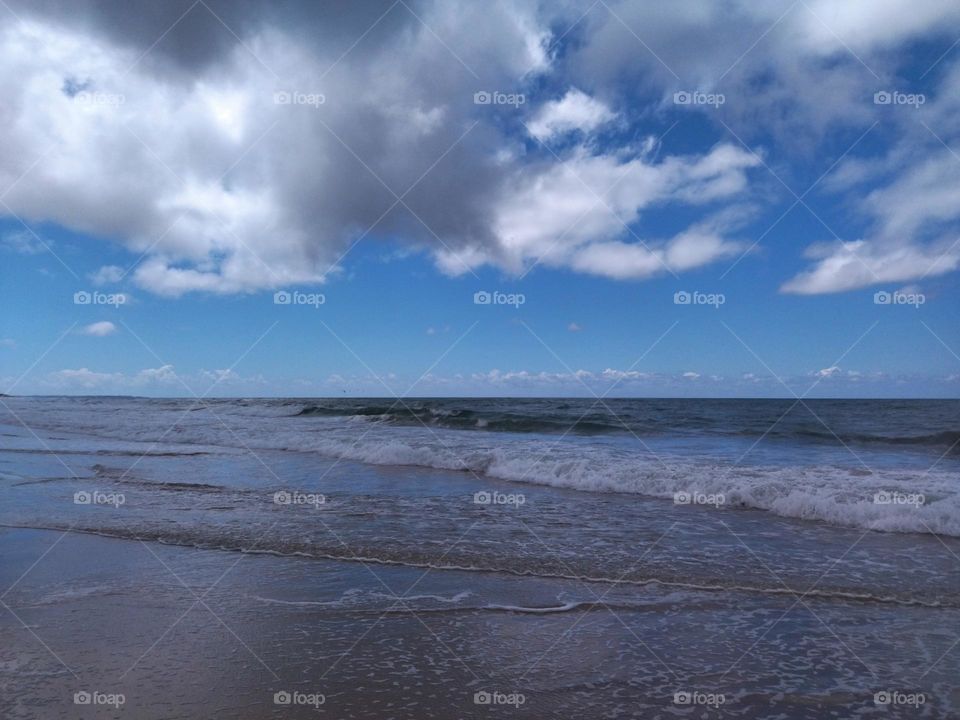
(235, 146)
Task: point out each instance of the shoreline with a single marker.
(840, 596)
(276, 624)
(340, 618)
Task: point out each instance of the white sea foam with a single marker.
(841, 496)
(355, 597)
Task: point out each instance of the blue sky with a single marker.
(792, 172)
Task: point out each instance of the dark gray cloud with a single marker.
(187, 35)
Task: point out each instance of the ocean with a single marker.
(434, 557)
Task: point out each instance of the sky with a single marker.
(423, 198)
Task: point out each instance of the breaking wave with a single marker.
(885, 500)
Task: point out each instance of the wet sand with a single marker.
(190, 633)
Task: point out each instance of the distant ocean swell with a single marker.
(601, 421)
(463, 419)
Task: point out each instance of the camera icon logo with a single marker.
(282, 698)
(482, 97)
(882, 297)
(82, 497)
(282, 297)
(281, 98)
(682, 98)
(681, 298)
(482, 498)
(482, 698)
(682, 697)
(882, 697)
(882, 98)
(82, 698)
(681, 498)
(82, 297)
(282, 497)
(482, 298)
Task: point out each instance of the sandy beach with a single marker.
(185, 633)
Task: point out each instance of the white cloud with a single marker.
(83, 378)
(99, 329)
(162, 380)
(828, 372)
(223, 189)
(574, 327)
(611, 374)
(925, 194)
(219, 376)
(618, 260)
(199, 177)
(689, 249)
(575, 214)
(520, 377)
(23, 242)
(865, 25)
(851, 265)
(107, 274)
(163, 374)
(574, 111)
(912, 210)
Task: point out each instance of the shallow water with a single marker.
(878, 464)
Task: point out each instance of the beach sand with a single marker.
(188, 633)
